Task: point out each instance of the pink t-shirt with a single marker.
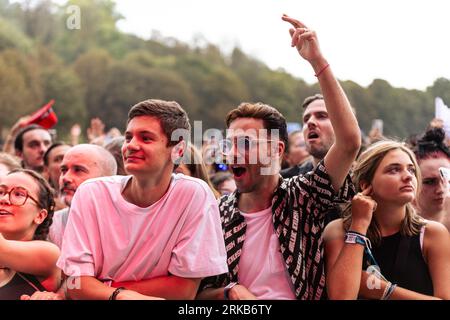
(112, 239)
(262, 269)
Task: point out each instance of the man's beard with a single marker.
(318, 152)
(65, 200)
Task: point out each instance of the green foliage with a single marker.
(93, 69)
(13, 38)
(20, 86)
(127, 84)
(99, 71)
(63, 85)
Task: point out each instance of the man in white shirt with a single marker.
(154, 233)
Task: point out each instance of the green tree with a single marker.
(93, 69)
(20, 86)
(64, 86)
(440, 88)
(129, 84)
(11, 37)
(97, 29)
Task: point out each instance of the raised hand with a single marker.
(363, 207)
(75, 133)
(305, 40)
(96, 130)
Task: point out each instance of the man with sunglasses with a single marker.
(272, 227)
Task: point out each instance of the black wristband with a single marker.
(113, 295)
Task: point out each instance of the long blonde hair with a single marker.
(364, 170)
(193, 160)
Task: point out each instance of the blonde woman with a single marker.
(192, 165)
(382, 249)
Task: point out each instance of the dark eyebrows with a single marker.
(142, 132)
(33, 142)
(320, 113)
(395, 165)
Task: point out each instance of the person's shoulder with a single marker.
(436, 237)
(334, 230)
(434, 229)
(105, 181)
(60, 214)
(182, 181)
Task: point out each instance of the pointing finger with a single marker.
(295, 23)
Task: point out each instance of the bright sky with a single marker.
(405, 42)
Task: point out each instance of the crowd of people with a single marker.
(315, 214)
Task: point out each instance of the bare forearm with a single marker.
(90, 289)
(339, 109)
(168, 287)
(376, 291)
(344, 278)
(32, 257)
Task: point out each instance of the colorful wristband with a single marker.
(226, 290)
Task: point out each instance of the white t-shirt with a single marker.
(261, 267)
(56, 232)
(112, 239)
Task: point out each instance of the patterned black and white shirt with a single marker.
(298, 214)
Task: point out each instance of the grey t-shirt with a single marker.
(58, 226)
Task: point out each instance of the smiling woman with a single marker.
(27, 261)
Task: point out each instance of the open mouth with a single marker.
(5, 213)
(238, 171)
(313, 135)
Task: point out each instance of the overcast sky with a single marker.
(405, 42)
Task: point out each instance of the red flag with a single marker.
(45, 116)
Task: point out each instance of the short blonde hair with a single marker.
(10, 161)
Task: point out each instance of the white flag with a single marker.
(443, 112)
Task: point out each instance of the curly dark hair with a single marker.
(46, 201)
(431, 145)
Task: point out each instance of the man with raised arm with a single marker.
(272, 227)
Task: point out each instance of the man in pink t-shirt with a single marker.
(151, 234)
